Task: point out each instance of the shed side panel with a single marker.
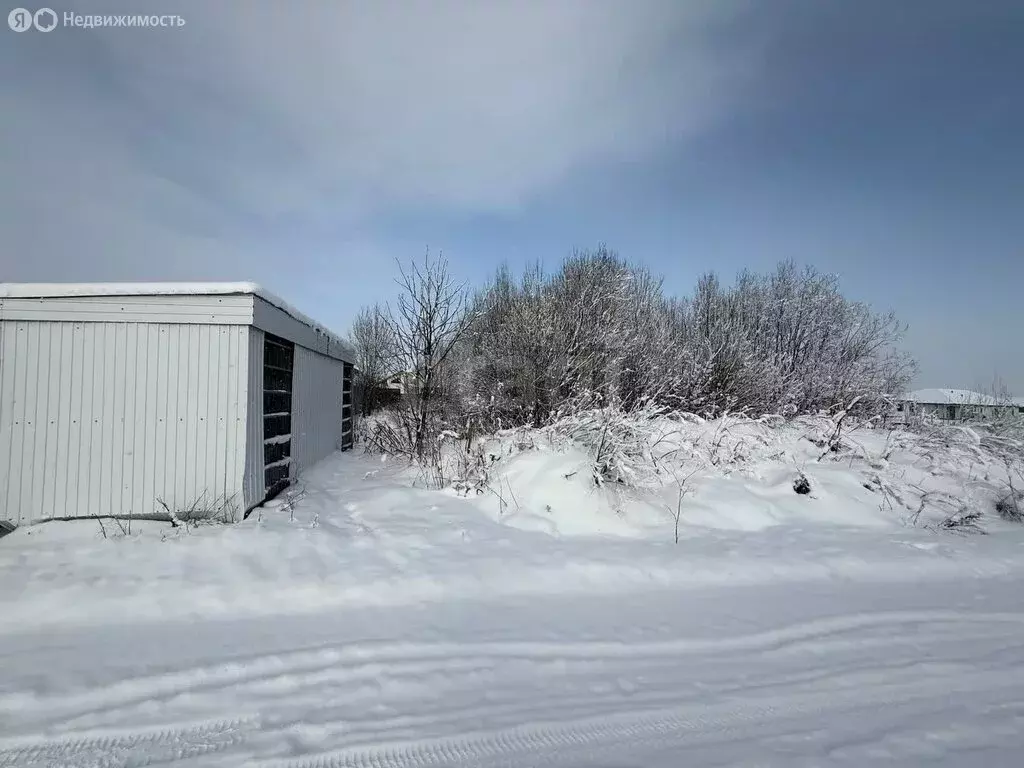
(6, 401)
(13, 429)
(100, 418)
(318, 383)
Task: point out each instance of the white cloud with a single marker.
(166, 152)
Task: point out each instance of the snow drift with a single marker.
(538, 609)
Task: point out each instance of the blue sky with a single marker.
(308, 145)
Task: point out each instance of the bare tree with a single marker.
(374, 346)
(428, 321)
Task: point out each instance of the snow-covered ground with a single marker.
(371, 623)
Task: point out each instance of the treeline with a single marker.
(602, 332)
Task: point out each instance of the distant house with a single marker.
(401, 382)
(957, 405)
(396, 382)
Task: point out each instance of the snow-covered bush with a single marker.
(522, 351)
(595, 355)
(787, 343)
(387, 432)
(1011, 506)
(203, 510)
(627, 447)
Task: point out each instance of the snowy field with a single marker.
(367, 622)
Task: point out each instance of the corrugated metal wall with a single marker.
(317, 389)
(101, 418)
(253, 485)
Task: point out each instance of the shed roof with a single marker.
(60, 290)
(51, 290)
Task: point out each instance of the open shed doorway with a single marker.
(278, 366)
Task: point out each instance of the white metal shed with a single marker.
(121, 399)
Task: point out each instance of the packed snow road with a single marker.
(832, 674)
(422, 633)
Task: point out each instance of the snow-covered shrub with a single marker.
(387, 432)
(1011, 506)
(202, 510)
(624, 445)
(962, 521)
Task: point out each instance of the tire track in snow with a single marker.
(567, 742)
(420, 733)
(162, 745)
(587, 705)
(551, 742)
(398, 662)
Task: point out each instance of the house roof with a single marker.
(62, 290)
(952, 397)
